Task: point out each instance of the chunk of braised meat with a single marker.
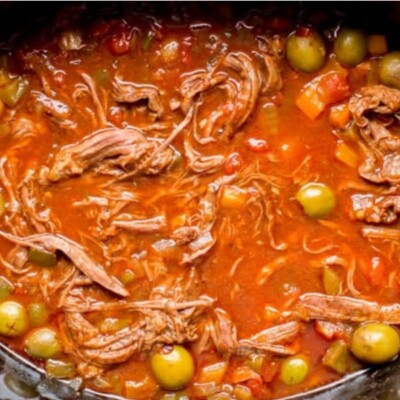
(147, 225)
(185, 234)
(333, 330)
(375, 209)
(242, 79)
(25, 210)
(200, 163)
(129, 92)
(374, 111)
(381, 233)
(341, 308)
(170, 316)
(202, 237)
(54, 242)
(110, 151)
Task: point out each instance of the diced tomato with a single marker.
(330, 330)
(120, 41)
(377, 271)
(322, 91)
(117, 115)
(186, 57)
(269, 370)
(186, 54)
(333, 87)
(279, 24)
(257, 145)
(101, 28)
(118, 44)
(258, 388)
(158, 34)
(233, 164)
(59, 78)
(303, 31)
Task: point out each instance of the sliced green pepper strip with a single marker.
(337, 357)
(4, 60)
(38, 314)
(146, 42)
(42, 258)
(6, 288)
(12, 92)
(101, 75)
(60, 369)
(331, 281)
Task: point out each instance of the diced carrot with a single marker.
(377, 45)
(243, 374)
(242, 392)
(178, 221)
(213, 373)
(346, 154)
(326, 89)
(310, 103)
(271, 314)
(233, 197)
(233, 164)
(144, 389)
(339, 116)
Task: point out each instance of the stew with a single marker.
(200, 206)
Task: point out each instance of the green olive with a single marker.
(13, 319)
(42, 258)
(306, 52)
(350, 47)
(42, 343)
(331, 281)
(173, 368)
(389, 69)
(317, 199)
(38, 314)
(375, 343)
(294, 370)
(6, 288)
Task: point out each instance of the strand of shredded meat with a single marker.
(222, 334)
(130, 92)
(53, 242)
(342, 308)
